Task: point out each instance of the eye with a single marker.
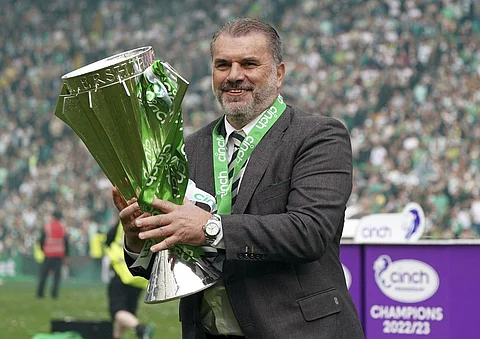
(222, 66)
(249, 64)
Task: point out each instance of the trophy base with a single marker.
(173, 278)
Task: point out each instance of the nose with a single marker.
(236, 72)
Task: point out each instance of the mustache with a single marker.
(236, 85)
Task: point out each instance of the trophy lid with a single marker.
(109, 71)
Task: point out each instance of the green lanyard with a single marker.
(223, 185)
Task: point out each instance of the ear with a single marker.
(280, 74)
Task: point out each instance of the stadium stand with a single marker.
(403, 75)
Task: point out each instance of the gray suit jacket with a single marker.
(282, 270)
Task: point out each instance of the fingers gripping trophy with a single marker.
(127, 111)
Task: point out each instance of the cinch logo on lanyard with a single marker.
(223, 185)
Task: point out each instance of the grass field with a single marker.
(23, 315)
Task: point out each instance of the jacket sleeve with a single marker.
(138, 271)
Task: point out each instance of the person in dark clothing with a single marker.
(281, 178)
(55, 246)
(124, 290)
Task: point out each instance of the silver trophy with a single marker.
(127, 111)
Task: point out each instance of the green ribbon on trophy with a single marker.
(127, 111)
(162, 134)
(161, 91)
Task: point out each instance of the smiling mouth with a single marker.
(236, 88)
(236, 91)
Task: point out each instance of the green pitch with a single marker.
(23, 315)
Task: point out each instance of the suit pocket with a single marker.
(271, 199)
(273, 191)
(320, 305)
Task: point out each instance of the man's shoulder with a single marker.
(201, 133)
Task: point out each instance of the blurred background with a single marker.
(403, 75)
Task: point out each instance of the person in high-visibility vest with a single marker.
(54, 245)
(124, 289)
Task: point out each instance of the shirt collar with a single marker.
(247, 128)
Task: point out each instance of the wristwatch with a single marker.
(211, 229)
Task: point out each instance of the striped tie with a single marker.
(237, 138)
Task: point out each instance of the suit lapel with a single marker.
(258, 162)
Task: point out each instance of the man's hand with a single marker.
(179, 224)
(128, 212)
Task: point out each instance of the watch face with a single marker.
(212, 229)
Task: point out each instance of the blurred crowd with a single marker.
(403, 75)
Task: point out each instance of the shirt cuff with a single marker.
(132, 255)
(219, 243)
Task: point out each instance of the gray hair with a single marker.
(243, 26)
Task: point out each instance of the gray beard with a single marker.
(262, 99)
(240, 116)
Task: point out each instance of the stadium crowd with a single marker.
(404, 76)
